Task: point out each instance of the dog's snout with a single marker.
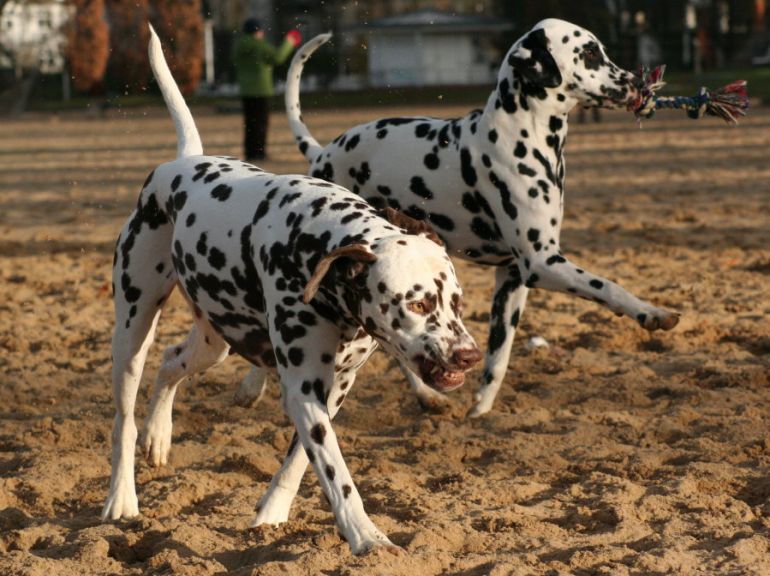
(464, 358)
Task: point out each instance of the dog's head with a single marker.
(557, 59)
(403, 291)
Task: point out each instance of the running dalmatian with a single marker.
(491, 182)
(294, 274)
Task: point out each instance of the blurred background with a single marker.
(60, 54)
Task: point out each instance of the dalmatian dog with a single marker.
(293, 273)
(491, 182)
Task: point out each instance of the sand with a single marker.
(613, 451)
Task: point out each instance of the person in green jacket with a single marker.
(254, 60)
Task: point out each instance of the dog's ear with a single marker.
(358, 257)
(411, 225)
(534, 62)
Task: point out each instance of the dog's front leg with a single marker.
(557, 273)
(313, 423)
(430, 400)
(274, 506)
(507, 307)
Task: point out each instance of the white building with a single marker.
(431, 48)
(31, 35)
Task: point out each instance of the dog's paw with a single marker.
(433, 402)
(250, 389)
(383, 550)
(274, 507)
(156, 440)
(371, 541)
(658, 319)
(478, 410)
(482, 403)
(121, 503)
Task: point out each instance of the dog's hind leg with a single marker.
(141, 288)
(251, 388)
(202, 349)
(507, 307)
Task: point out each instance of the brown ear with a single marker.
(355, 252)
(411, 225)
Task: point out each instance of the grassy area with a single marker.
(679, 83)
(683, 84)
(471, 95)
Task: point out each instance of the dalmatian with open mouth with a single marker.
(492, 182)
(294, 274)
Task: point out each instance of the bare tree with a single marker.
(87, 46)
(128, 43)
(180, 26)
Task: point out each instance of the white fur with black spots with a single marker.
(293, 273)
(492, 182)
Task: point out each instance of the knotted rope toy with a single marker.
(728, 103)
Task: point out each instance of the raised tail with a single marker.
(188, 141)
(308, 145)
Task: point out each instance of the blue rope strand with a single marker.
(686, 102)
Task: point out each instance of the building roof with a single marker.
(427, 21)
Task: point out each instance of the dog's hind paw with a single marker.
(274, 507)
(372, 541)
(251, 389)
(658, 320)
(433, 402)
(156, 442)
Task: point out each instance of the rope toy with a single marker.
(728, 103)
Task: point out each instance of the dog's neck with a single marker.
(540, 124)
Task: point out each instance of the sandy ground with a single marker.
(614, 451)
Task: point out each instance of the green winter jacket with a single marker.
(254, 60)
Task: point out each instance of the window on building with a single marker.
(44, 20)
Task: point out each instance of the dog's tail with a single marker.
(308, 145)
(188, 141)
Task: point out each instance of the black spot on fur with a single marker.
(296, 356)
(326, 173)
(318, 433)
(525, 170)
(421, 130)
(417, 186)
(466, 167)
(221, 192)
(217, 258)
(441, 221)
(352, 142)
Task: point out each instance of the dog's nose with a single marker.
(464, 358)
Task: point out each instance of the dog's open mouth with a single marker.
(438, 377)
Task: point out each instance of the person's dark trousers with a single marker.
(255, 121)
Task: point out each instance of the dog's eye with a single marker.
(424, 306)
(418, 307)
